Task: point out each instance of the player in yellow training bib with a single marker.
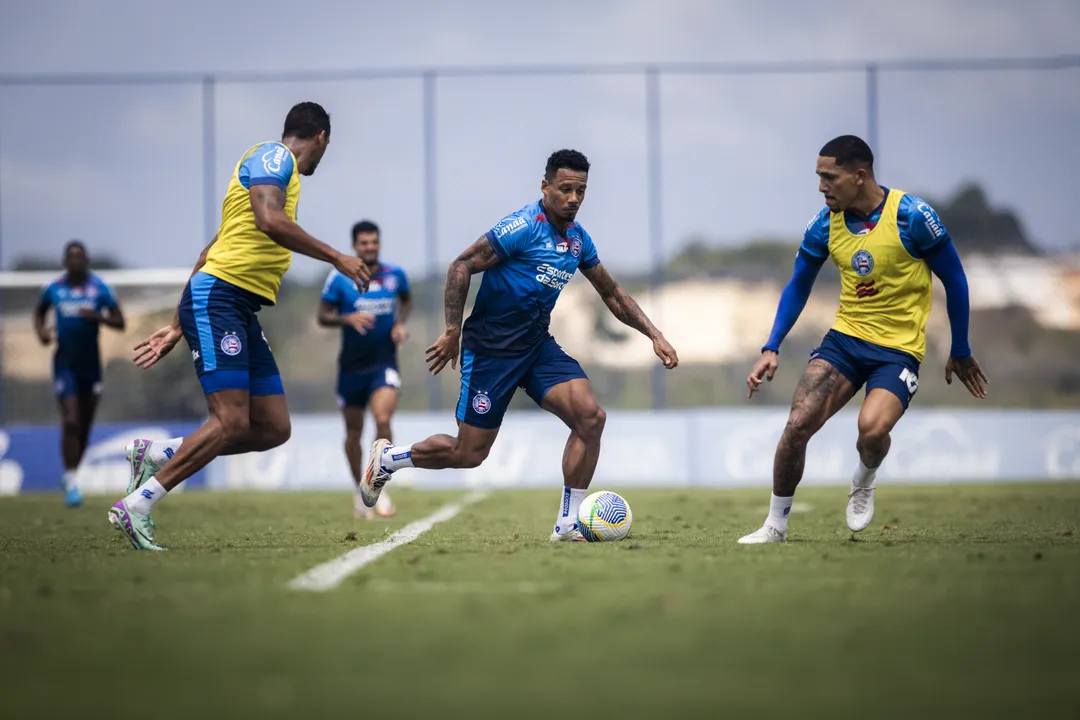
(885, 243)
(239, 272)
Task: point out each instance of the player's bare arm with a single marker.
(328, 316)
(109, 317)
(268, 204)
(623, 306)
(158, 345)
(44, 332)
(476, 258)
(400, 332)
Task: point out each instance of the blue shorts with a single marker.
(488, 383)
(227, 343)
(354, 389)
(76, 380)
(864, 363)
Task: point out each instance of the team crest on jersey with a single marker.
(481, 403)
(389, 283)
(862, 262)
(575, 247)
(230, 344)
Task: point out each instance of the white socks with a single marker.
(396, 458)
(864, 476)
(568, 508)
(69, 479)
(161, 451)
(143, 500)
(779, 509)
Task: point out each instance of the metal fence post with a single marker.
(431, 237)
(655, 203)
(209, 129)
(872, 113)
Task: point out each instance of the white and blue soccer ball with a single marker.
(604, 517)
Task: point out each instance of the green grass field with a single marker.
(959, 601)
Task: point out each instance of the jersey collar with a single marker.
(542, 217)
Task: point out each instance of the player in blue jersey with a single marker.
(83, 302)
(886, 243)
(372, 326)
(527, 259)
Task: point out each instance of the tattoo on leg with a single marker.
(809, 408)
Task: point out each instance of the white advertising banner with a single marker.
(708, 447)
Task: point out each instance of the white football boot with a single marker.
(860, 508)
(766, 534)
(375, 475)
(384, 506)
(572, 534)
(360, 510)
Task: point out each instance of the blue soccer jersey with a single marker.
(375, 348)
(77, 337)
(920, 228)
(512, 311)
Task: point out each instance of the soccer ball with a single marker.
(604, 517)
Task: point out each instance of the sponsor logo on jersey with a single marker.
(866, 289)
(552, 276)
(375, 306)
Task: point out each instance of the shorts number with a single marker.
(911, 380)
(393, 379)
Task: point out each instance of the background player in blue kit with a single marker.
(526, 259)
(83, 302)
(372, 326)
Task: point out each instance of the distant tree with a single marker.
(977, 227)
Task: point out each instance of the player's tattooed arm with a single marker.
(476, 258)
(623, 306)
(619, 301)
(268, 204)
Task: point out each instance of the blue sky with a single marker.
(121, 167)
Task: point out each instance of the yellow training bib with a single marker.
(885, 292)
(244, 255)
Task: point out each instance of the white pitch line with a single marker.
(330, 574)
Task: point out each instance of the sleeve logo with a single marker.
(512, 227)
(273, 159)
(932, 223)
